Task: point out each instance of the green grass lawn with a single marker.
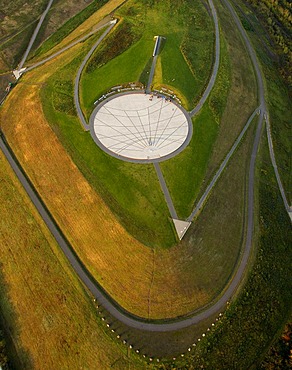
(123, 69)
(280, 115)
(190, 166)
(231, 111)
(217, 126)
(136, 197)
(264, 305)
(50, 320)
(179, 72)
(132, 191)
(185, 172)
(176, 73)
(67, 28)
(278, 97)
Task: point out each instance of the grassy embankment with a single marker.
(50, 320)
(150, 226)
(263, 307)
(113, 257)
(66, 34)
(180, 283)
(276, 19)
(19, 19)
(181, 74)
(74, 18)
(17, 22)
(134, 196)
(278, 98)
(190, 166)
(217, 125)
(257, 317)
(186, 69)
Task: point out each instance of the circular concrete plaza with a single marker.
(140, 127)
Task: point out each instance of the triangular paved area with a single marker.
(18, 72)
(181, 227)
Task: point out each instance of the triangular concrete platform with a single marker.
(181, 227)
(17, 73)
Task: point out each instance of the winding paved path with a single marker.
(221, 168)
(261, 93)
(43, 61)
(77, 79)
(151, 74)
(36, 31)
(165, 191)
(274, 163)
(153, 65)
(107, 302)
(216, 63)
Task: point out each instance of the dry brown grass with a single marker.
(204, 262)
(122, 265)
(86, 26)
(176, 281)
(51, 320)
(3, 65)
(91, 228)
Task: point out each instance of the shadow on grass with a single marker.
(163, 41)
(18, 357)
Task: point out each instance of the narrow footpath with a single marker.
(35, 33)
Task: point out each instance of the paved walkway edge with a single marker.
(181, 227)
(33, 37)
(59, 52)
(79, 72)
(204, 197)
(166, 193)
(93, 286)
(216, 63)
(274, 163)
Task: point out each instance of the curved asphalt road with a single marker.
(216, 64)
(273, 159)
(261, 95)
(221, 168)
(65, 48)
(101, 296)
(77, 79)
(36, 31)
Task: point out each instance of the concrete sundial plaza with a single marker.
(139, 127)
(145, 126)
